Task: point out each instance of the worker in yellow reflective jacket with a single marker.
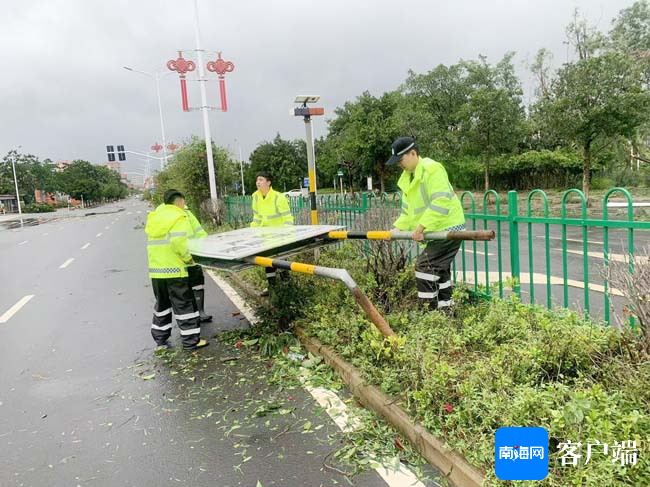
(167, 232)
(270, 209)
(195, 272)
(429, 204)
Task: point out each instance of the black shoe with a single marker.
(205, 318)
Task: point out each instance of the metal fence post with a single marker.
(515, 269)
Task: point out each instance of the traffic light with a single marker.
(111, 153)
(120, 153)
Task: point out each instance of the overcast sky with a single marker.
(64, 93)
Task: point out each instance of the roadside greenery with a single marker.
(79, 179)
(588, 119)
(495, 363)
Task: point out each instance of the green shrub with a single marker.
(38, 208)
(498, 363)
(602, 183)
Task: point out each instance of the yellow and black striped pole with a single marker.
(478, 235)
(331, 273)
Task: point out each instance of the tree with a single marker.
(187, 171)
(598, 97)
(540, 68)
(31, 173)
(80, 180)
(493, 117)
(433, 109)
(361, 135)
(631, 31)
(286, 160)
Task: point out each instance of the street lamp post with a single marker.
(156, 76)
(204, 106)
(241, 168)
(306, 112)
(13, 167)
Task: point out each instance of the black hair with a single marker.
(171, 195)
(265, 175)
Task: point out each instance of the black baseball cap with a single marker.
(400, 147)
(171, 195)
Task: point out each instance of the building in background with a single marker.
(61, 165)
(114, 165)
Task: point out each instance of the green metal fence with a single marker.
(542, 254)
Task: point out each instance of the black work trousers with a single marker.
(175, 295)
(433, 273)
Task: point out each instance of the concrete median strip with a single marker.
(15, 308)
(452, 465)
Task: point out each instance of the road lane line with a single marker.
(538, 278)
(15, 308)
(106, 228)
(85, 246)
(66, 263)
(234, 297)
(23, 242)
(45, 234)
(99, 234)
(599, 255)
(336, 409)
(595, 242)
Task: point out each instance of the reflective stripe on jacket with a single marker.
(272, 211)
(167, 232)
(428, 199)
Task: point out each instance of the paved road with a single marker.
(74, 407)
(618, 251)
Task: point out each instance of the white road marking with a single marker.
(45, 234)
(234, 297)
(599, 255)
(85, 246)
(23, 242)
(66, 263)
(333, 405)
(538, 278)
(99, 234)
(106, 228)
(15, 308)
(471, 251)
(595, 242)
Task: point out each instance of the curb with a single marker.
(452, 465)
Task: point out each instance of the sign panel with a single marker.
(247, 242)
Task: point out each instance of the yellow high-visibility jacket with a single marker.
(167, 232)
(272, 211)
(196, 228)
(428, 199)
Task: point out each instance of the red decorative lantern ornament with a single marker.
(221, 67)
(182, 66)
(156, 147)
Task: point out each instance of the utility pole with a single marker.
(13, 166)
(204, 106)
